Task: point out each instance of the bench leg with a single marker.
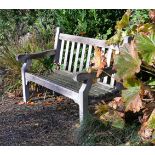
(25, 91)
(83, 102)
(83, 107)
(25, 84)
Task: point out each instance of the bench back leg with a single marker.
(25, 83)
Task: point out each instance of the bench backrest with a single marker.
(74, 53)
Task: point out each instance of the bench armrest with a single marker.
(85, 76)
(25, 57)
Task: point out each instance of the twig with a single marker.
(148, 100)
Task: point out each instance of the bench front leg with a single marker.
(83, 100)
(25, 82)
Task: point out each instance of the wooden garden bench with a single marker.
(73, 54)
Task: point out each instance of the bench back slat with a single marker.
(61, 51)
(75, 53)
(88, 56)
(71, 56)
(82, 57)
(66, 55)
(83, 40)
(76, 57)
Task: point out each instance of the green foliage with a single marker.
(89, 23)
(124, 22)
(135, 68)
(32, 32)
(146, 48)
(112, 117)
(132, 22)
(93, 132)
(14, 23)
(120, 25)
(132, 65)
(139, 16)
(17, 23)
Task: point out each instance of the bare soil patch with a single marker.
(43, 122)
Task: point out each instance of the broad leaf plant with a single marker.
(135, 66)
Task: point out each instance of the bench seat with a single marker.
(65, 80)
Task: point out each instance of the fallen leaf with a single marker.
(59, 108)
(31, 103)
(10, 95)
(115, 118)
(117, 102)
(47, 103)
(145, 132)
(59, 99)
(101, 109)
(20, 103)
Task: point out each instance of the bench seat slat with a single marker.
(45, 82)
(62, 82)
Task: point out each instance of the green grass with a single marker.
(94, 132)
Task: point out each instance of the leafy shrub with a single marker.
(38, 31)
(137, 75)
(91, 23)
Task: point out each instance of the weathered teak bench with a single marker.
(73, 53)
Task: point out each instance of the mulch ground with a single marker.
(41, 122)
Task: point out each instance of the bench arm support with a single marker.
(24, 57)
(85, 76)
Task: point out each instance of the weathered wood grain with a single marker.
(66, 55)
(83, 40)
(88, 56)
(37, 55)
(53, 86)
(76, 57)
(82, 57)
(71, 56)
(61, 51)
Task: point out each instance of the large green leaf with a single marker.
(124, 21)
(131, 82)
(146, 48)
(126, 65)
(132, 99)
